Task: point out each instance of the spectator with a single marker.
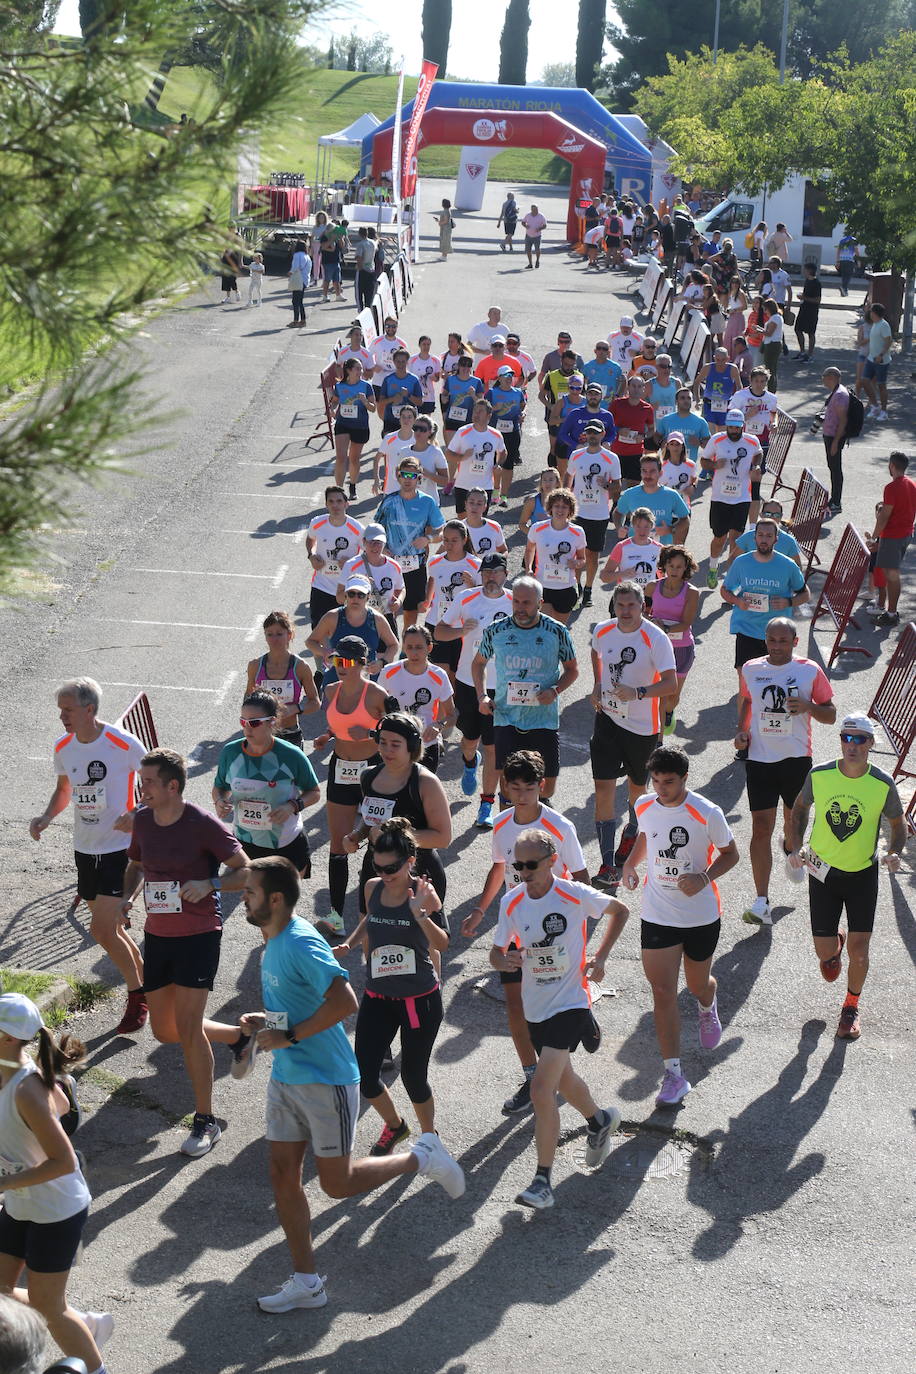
(22, 1333)
(846, 261)
(836, 415)
(894, 529)
(772, 341)
(880, 338)
(364, 253)
(808, 311)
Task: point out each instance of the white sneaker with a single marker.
(794, 875)
(873, 412)
(100, 1326)
(598, 1143)
(881, 415)
(243, 1060)
(295, 1293)
(434, 1161)
(758, 913)
(204, 1135)
(873, 608)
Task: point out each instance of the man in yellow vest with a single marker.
(849, 797)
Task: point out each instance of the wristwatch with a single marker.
(291, 1037)
(640, 693)
(216, 884)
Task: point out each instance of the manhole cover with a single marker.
(649, 1156)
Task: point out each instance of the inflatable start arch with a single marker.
(492, 132)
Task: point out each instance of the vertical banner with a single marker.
(396, 143)
(421, 99)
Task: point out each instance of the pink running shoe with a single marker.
(710, 1026)
(673, 1090)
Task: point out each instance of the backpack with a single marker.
(855, 417)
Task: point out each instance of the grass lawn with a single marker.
(84, 994)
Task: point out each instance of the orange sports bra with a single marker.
(340, 723)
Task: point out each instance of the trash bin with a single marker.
(812, 252)
(886, 288)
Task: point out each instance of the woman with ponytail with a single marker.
(45, 1198)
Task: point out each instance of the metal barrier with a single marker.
(324, 430)
(138, 720)
(808, 511)
(894, 704)
(839, 592)
(663, 299)
(649, 285)
(677, 315)
(781, 437)
(697, 353)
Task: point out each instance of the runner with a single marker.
(594, 476)
(392, 447)
(353, 402)
(264, 784)
(528, 365)
(571, 397)
(849, 797)
(662, 392)
(625, 344)
(674, 609)
(96, 766)
(635, 559)
(533, 508)
(175, 854)
(534, 225)
(759, 585)
(678, 471)
(634, 418)
(556, 551)
(486, 536)
(633, 668)
(520, 784)
(423, 691)
(679, 831)
(488, 366)
(313, 1094)
(45, 1198)
(354, 705)
(684, 420)
(760, 407)
(382, 350)
(543, 931)
(411, 520)
(455, 350)
(734, 459)
(600, 369)
(427, 368)
(286, 676)
(669, 509)
(645, 365)
(473, 453)
(779, 696)
(535, 662)
(397, 389)
(554, 386)
(481, 335)
(459, 395)
(716, 384)
(382, 572)
(507, 399)
(356, 348)
(331, 539)
(466, 620)
(432, 459)
(576, 420)
(452, 570)
(355, 617)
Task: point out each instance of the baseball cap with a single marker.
(575, 377)
(676, 434)
(493, 560)
(19, 1016)
(504, 372)
(351, 646)
(358, 584)
(595, 386)
(735, 417)
(594, 427)
(373, 531)
(626, 322)
(857, 722)
(498, 339)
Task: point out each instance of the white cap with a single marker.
(19, 1016)
(358, 584)
(857, 722)
(735, 417)
(505, 371)
(626, 322)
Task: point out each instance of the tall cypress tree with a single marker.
(437, 29)
(513, 45)
(590, 41)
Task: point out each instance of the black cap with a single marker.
(494, 560)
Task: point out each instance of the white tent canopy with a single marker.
(353, 135)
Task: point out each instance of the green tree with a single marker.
(822, 27)
(513, 44)
(331, 54)
(358, 54)
(437, 29)
(93, 15)
(590, 42)
(559, 74)
(107, 218)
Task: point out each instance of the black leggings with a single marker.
(835, 466)
(379, 1020)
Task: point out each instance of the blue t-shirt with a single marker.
(573, 426)
(777, 576)
(507, 405)
(461, 395)
(718, 390)
(297, 968)
(608, 374)
(394, 386)
(524, 656)
(406, 521)
(784, 544)
(693, 427)
(667, 505)
(352, 393)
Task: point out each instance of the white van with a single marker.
(798, 205)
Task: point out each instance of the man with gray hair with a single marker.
(535, 662)
(22, 1338)
(97, 767)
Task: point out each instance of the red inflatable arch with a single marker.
(517, 129)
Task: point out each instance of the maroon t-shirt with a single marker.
(901, 494)
(193, 847)
(632, 418)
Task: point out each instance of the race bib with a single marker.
(8, 1168)
(276, 1020)
(374, 810)
(349, 410)
(816, 866)
(284, 689)
(757, 601)
(662, 411)
(613, 704)
(643, 578)
(162, 898)
(253, 815)
(555, 574)
(457, 413)
(667, 871)
(479, 465)
(331, 566)
(505, 426)
(409, 562)
(387, 961)
(628, 436)
(90, 801)
(718, 405)
(522, 693)
(547, 963)
(349, 771)
(775, 723)
(731, 486)
(396, 409)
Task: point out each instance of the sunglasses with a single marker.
(409, 472)
(361, 595)
(260, 720)
(388, 870)
(575, 387)
(854, 739)
(340, 662)
(529, 865)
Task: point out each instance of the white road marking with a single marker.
(279, 576)
(186, 572)
(282, 534)
(223, 691)
(166, 624)
(271, 495)
(252, 634)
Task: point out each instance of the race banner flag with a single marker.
(409, 167)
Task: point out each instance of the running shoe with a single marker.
(710, 1025)
(520, 1101)
(434, 1161)
(204, 1135)
(881, 415)
(888, 618)
(801, 357)
(538, 1194)
(135, 1013)
(332, 924)
(758, 913)
(830, 968)
(351, 492)
(586, 597)
(598, 1143)
(99, 1324)
(794, 875)
(591, 1040)
(874, 608)
(244, 1052)
(673, 1090)
(625, 848)
(712, 579)
(484, 819)
(72, 1118)
(670, 722)
(469, 776)
(849, 1027)
(391, 1136)
(607, 879)
(295, 1293)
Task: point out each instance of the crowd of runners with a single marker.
(423, 631)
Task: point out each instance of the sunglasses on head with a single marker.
(253, 721)
(340, 662)
(848, 738)
(521, 865)
(387, 870)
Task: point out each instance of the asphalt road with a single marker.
(775, 1234)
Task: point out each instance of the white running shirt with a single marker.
(423, 694)
(680, 839)
(551, 932)
(582, 474)
(554, 551)
(336, 544)
(636, 659)
(506, 830)
(448, 581)
(477, 606)
(482, 448)
(102, 776)
(776, 735)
